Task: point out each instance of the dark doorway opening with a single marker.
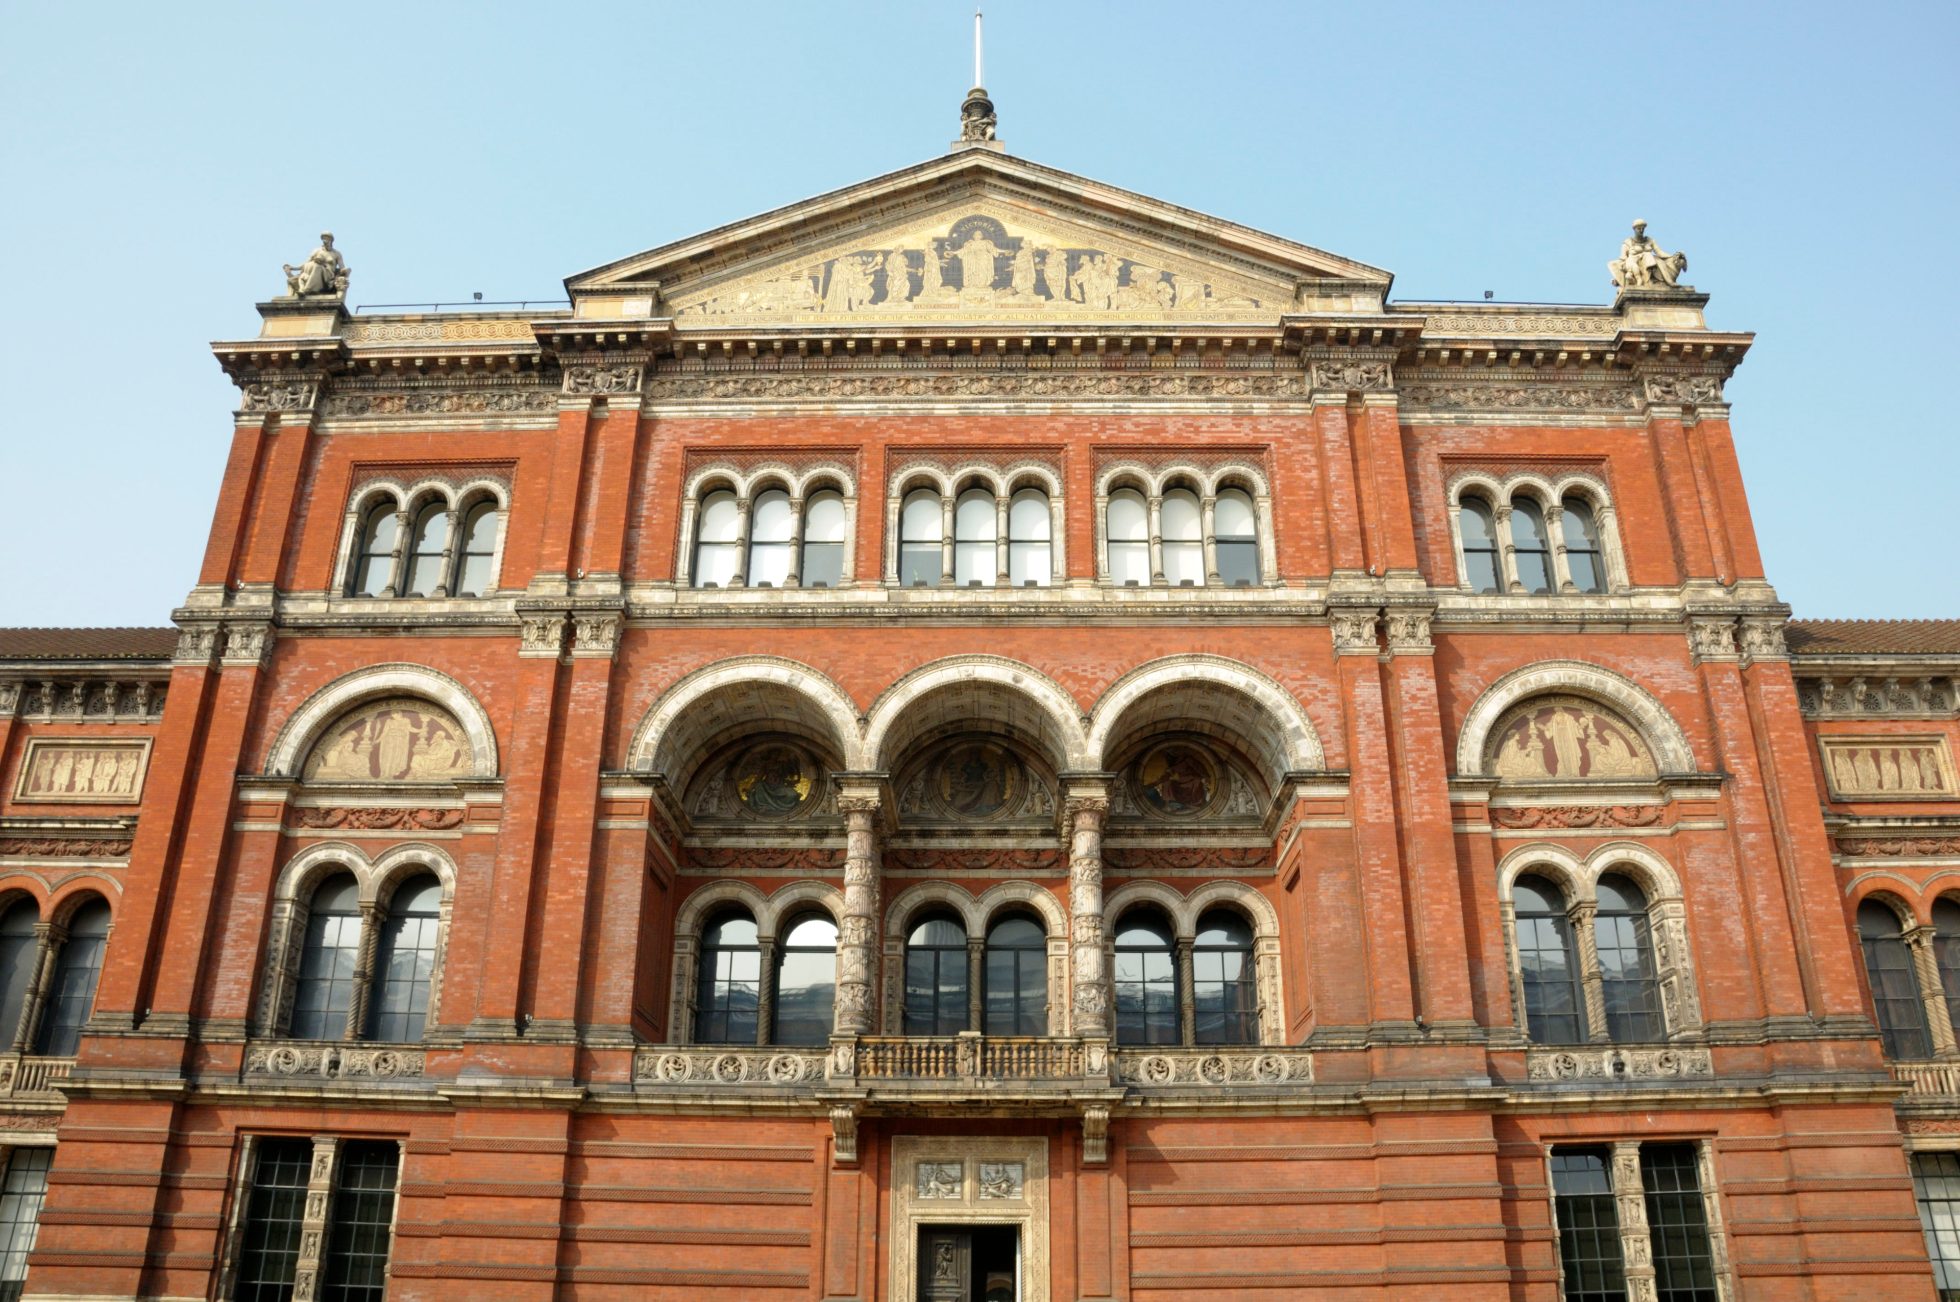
(969, 1263)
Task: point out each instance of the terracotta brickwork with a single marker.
(570, 751)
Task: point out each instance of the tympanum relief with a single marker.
(974, 780)
(1882, 767)
(1182, 779)
(58, 771)
(1568, 739)
(771, 780)
(979, 264)
(395, 740)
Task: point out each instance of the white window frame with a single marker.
(1548, 495)
(747, 485)
(1207, 482)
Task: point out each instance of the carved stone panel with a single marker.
(1888, 767)
(1567, 739)
(59, 771)
(396, 740)
(955, 1180)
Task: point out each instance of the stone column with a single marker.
(1209, 508)
(1187, 993)
(1932, 991)
(1507, 552)
(1001, 542)
(1583, 916)
(1156, 510)
(1084, 812)
(740, 579)
(398, 565)
(47, 947)
(452, 541)
(857, 933)
(1555, 539)
(313, 1225)
(1636, 1244)
(794, 579)
(357, 1008)
(976, 980)
(947, 537)
(765, 990)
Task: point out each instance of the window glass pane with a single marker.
(1179, 516)
(1582, 545)
(1936, 1182)
(716, 554)
(330, 949)
(936, 978)
(375, 563)
(1238, 563)
(404, 963)
(1548, 963)
(921, 522)
(823, 518)
(823, 565)
(75, 975)
(1588, 1227)
(1129, 521)
(1223, 988)
(17, 953)
(1894, 983)
(425, 559)
(1232, 517)
(973, 539)
(275, 1205)
(938, 931)
(806, 981)
(920, 530)
(1029, 564)
(771, 526)
(1528, 541)
(21, 1195)
(1946, 954)
(1016, 987)
(728, 983)
(720, 519)
(479, 550)
(1479, 546)
(1677, 1221)
(1027, 516)
(362, 1214)
(1146, 982)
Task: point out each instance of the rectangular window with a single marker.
(22, 1192)
(268, 1258)
(1936, 1182)
(361, 1222)
(1677, 1222)
(1588, 1226)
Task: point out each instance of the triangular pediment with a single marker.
(977, 237)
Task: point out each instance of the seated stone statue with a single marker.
(1642, 265)
(323, 272)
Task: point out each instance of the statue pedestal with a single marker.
(1679, 308)
(313, 317)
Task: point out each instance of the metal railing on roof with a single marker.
(474, 304)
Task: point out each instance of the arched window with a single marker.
(728, 990)
(18, 949)
(1146, 980)
(1582, 553)
(806, 981)
(823, 540)
(1235, 531)
(936, 990)
(772, 525)
(374, 552)
(1029, 563)
(1529, 547)
(974, 563)
(479, 550)
(1184, 543)
(405, 962)
(72, 994)
(425, 556)
(1223, 989)
(1628, 977)
(1016, 984)
(328, 958)
(1895, 986)
(1129, 538)
(717, 546)
(1479, 546)
(1946, 954)
(920, 532)
(1548, 962)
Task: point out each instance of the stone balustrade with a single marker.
(1939, 1078)
(969, 1057)
(28, 1076)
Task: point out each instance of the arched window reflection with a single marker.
(374, 554)
(479, 553)
(1531, 551)
(936, 991)
(772, 526)
(1029, 563)
(1236, 533)
(920, 533)
(973, 539)
(729, 982)
(18, 948)
(1479, 546)
(1894, 984)
(1016, 986)
(405, 961)
(1184, 549)
(1224, 990)
(1128, 538)
(1946, 953)
(806, 981)
(72, 993)
(823, 540)
(1146, 980)
(1582, 550)
(717, 548)
(324, 992)
(1548, 963)
(1626, 963)
(430, 537)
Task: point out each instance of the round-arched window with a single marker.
(728, 981)
(1128, 538)
(823, 540)
(1146, 980)
(1184, 549)
(937, 990)
(1028, 539)
(920, 533)
(1224, 988)
(1548, 963)
(717, 546)
(1235, 530)
(1016, 981)
(806, 981)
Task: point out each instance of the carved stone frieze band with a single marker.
(1577, 816)
(1616, 396)
(1899, 847)
(1584, 1063)
(1352, 377)
(479, 401)
(83, 700)
(1036, 384)
(379, 819)
(278, 395)
(1858, 696)
(333, 1062)
(1685, 390)
(602, 380)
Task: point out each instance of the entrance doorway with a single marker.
(969, 1263)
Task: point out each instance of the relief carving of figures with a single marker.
(898, 277)
(849, 287)
(61, 772)
(1566, 739)
(324, 271)
(602, 379)
(1861, 767)
(1001, 1179)
(399, 740)
(940, 1180)
(261, 395)
(1828, 698)
(978, 259)
(1642, 265)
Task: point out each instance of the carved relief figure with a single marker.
(850, 285)
(1177, 779)
(898, 277)
(1021, 273)
(1001, 1179)
(60, 772)
(979, 780)
(1642, 265)
(1566, 739)
(773, 781)
(1054, 271)
(935, 277)
(323, 272)
(400, 740)
(1859, 767)
(939, 1180)
(978, 259)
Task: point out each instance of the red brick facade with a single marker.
(1387, 1132)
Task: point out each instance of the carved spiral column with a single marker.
(372, 917)
(1636, 1243)
(1583, 914)
(1085, 815)
(765, 991)
(1187, 993)
(1932, 991)
(857, 933)
(976, 983)
(47, 947)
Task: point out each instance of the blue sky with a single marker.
(160, 161)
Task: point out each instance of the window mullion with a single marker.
(1156, 508)
(1208, 531)
(398, 559)
(765, 991)
(794, 579)
(1583, 916)
(1187, 1001)
(1507, 549)
(976, 972)
(47, 949)
(740, 578)
(357, 1007)
(1555, 543)
(1002, 544)
(452, 551)
(1932, 991)
(313, 1225)
(1630, 1200)
(948, 540)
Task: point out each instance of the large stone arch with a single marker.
(295, 740)
(687, 719)
(1641, 708)
(1233, 699)
(979, 689)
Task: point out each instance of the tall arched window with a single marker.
(1529, 547)
(1946, 954)
(1184, 539)
(1479, 546)
(328, 958)
(374, 552)
(1016, 983)
(1146, 980)
(920, 533)
(717, 546)
(936, 991)
(18, 949)
(478, 552)
(73, 993)
(1029, 563)
(1628, 977)
(728, 989)
(1895, 986)
(772, 525)
(823, 540)
(1235, 531)
(974, 532)
(806, 981)
(405, 962)
(425, 555)
(1223, 989)
(1128, 538)
(1583, 560)
(1548, 963)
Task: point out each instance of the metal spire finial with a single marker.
(977, 120)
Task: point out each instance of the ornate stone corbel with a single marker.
(1762, 639)
(1712, 639)
(1355, 631)
(542, 635)
(844, 1135)
(9, 699)
(197, 644)
(1351, 377)
(247, 645)
(602, 381)
(1095, 1135)
(1408, 632)
(278, 395)
(1683, 390)
(595, 635)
